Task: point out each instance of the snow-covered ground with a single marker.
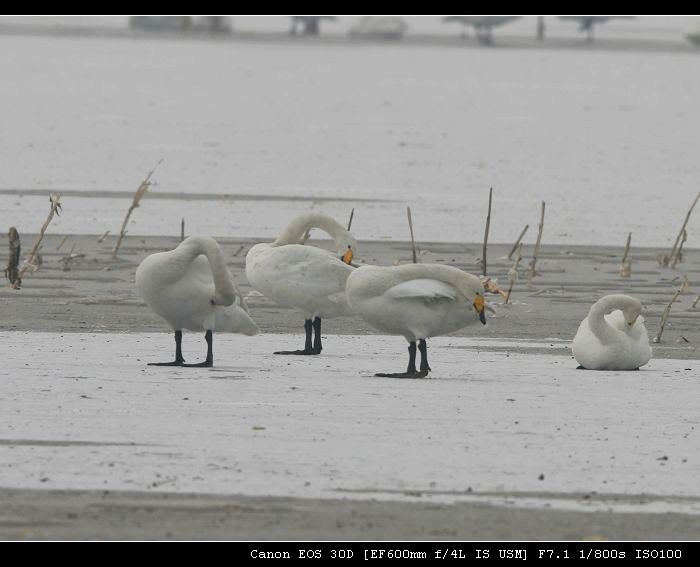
(83, 411)
(607, 138)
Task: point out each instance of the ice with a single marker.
(605, 137)
(505, 427)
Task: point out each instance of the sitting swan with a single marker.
(305, 277)
(417, 301)
(191, 288)
(614, 340)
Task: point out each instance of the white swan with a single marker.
(613, 336)
(416, 301)
(191, 288)
(305, 277)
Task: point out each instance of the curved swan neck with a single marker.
(224, 291)
(466, 284)
(596, 316)
(447, 274)
(296, 230)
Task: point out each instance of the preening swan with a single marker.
(416, 301)
(191, 288)
(305, 277)
(613, 336)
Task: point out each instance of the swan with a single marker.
(416, 301)
(307, 278)
(612, 336)
(191, 288)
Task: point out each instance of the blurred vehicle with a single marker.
(218, 24)
(379, 27)
(483, 25)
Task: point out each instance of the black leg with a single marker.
(318, 347)
(424, 366)
(178, 353)
(209, 337)
(411, 358)
(308, 326)
(411, 370)
(178, 346)
(308, 348)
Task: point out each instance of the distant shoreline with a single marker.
(574, 43)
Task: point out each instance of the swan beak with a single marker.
(479, 306)
(348, 256)
(632, 322)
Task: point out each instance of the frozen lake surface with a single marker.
(607, 138)
(83, 411)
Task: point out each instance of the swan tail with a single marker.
(339, 298)
(240, 300)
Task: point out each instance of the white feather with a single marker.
(415, 301)
(191, 288)
(301, 276)
(423, 288)
(606, 341)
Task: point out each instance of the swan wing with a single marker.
(425, 288)
(325, 277)
(638, 331)
(617, 321)
(300, 270)
(199, 271)
(625, 348)
(200, 277)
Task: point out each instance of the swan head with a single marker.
(631, 310)
(480, 307)
(346, 246)
(348, 256)
(630, 307)
(472, 288)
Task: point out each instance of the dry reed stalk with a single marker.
(66, 260)
(486, 234)
(101, 238)
(12, 268)
(513, 272)
(491, 286)
(138, 195)
(515, 246)
(533, 263)
(30, 262)
(625, 265)
(352, 214)
(679, 253)
(413, 242)
(664, 316)
(63, 241)
(182, 229)
(671, 256)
